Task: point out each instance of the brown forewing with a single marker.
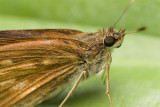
(35, 63)
(13, 36)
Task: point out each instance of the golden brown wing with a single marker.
(38, 33)
(14, 36)
(31, 70)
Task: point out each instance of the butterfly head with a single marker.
(113, 39)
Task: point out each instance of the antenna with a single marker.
(140, 29)
(124, 11)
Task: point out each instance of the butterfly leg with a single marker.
(107, 69)
(74, 87)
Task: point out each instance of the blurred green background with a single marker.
(135, 70)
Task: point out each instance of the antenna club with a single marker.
(141, 29)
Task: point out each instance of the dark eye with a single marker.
(109, 41)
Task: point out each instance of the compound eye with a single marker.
(109, 41)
